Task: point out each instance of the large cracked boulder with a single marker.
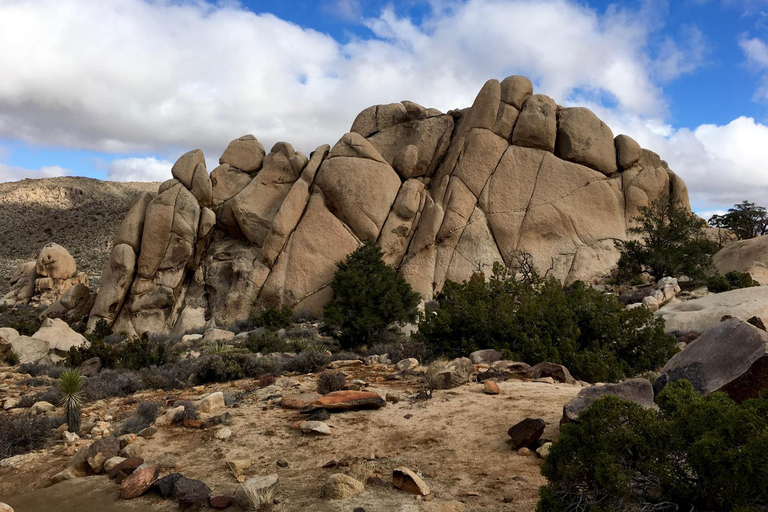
(444, 195)
(744, 256)
(731, 357)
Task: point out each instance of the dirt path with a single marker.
(456, 441)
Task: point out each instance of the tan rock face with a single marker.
(54, 261)
(443, 195)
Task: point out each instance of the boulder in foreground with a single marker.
(639, 391)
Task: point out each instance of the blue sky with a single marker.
(118, 89)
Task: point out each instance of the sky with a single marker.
(119, 89)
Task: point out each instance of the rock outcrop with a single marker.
(698, 315)
(744, 256)
(443, 195)
(44, 281)
(731, 357)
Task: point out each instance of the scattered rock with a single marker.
(349, 401)
(42, 407)
(126, 466)
(543, 450)
(148, 432)
(408, 481)
(90, 367)
(525, 452)
(491, 388)
(315, 427)
(407, 364)
(639, 391)
(454, 374)
(220, 502)
(757, 322)
(340, 487)
(164, 486)
(487, 356)
(223, 434)
(139, 482)
(102, 450)
(282, 464)
(301, 401)
(526, 433)
(114, 461)
(557, 371)
(212, 403)
(191, 493)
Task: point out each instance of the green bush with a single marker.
(745, 220)
(368, 297)
(70, 385)
(12, 358)
(272, 318)
(672, 243)
(592, 334)
(731, 281)
(131, 354)
(267, 343)
(108, 354)
(695, 453)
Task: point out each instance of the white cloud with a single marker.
(139, 169)
(13, 173)
(349, 10)
(163, 77)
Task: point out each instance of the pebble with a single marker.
(223, 434)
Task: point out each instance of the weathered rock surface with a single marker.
(639, 391)
(340, 487)
(745, 256)
(255, 492)
(349, 400)
(442, 195)
(731, 357)
(526, 433)
(698, 315)
(408, 481)
(59, 335)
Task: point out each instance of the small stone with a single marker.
(408, 481)
(220, 502)
(319, 415)
(42, 407)
(5, 508)
(148, 432)
(340, 487)
(197, 424)
(508, 498)
(315, 427)
(69, 437)
(191, 493)
(543, 450)
(223, 434)
(491, 388)
(545, 380)
(126, 466)
(212, 403)
(282, 464)
(164, 486)
(111, 463)
(132, 450)
(126, 439)
(525, 452)
(407, 364)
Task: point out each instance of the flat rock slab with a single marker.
(87, 494)
(298, 402)
(731, 357)
(639, 391)
(408, 481)
(349, 401)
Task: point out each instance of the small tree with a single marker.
(745, 220)
(671, 243)
(368, 297)
(70, 384)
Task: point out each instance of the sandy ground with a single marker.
(456, 440)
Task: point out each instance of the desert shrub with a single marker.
(189, 412)
(695, 453)
(272, 318)
(267, 343)
(34, 382)
(12, 358)
(231, 365)
(109, 383)
(538, 320)
(368, 297)
(100, 331)
(344, 356)
(22, 433)
(145, 415)
(108, 354)
(308, 361)
(52, 395)
(731, 281)
(397, 351)
(266, 380)
(139, 353)
(328, 382)
(35, 369)
(672, 243)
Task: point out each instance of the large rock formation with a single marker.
(443, 195)
(44, 281)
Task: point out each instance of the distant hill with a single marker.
(79, 213)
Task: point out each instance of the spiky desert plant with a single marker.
(70, 384)
(217, 348)
(12, 358)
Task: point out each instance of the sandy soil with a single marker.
(456, 440)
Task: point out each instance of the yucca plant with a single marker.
(217, 348)
(70, 384)
(12, 358)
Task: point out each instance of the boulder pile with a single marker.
(442, 195)
(44, 281)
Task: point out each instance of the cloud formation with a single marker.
(12, 173)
